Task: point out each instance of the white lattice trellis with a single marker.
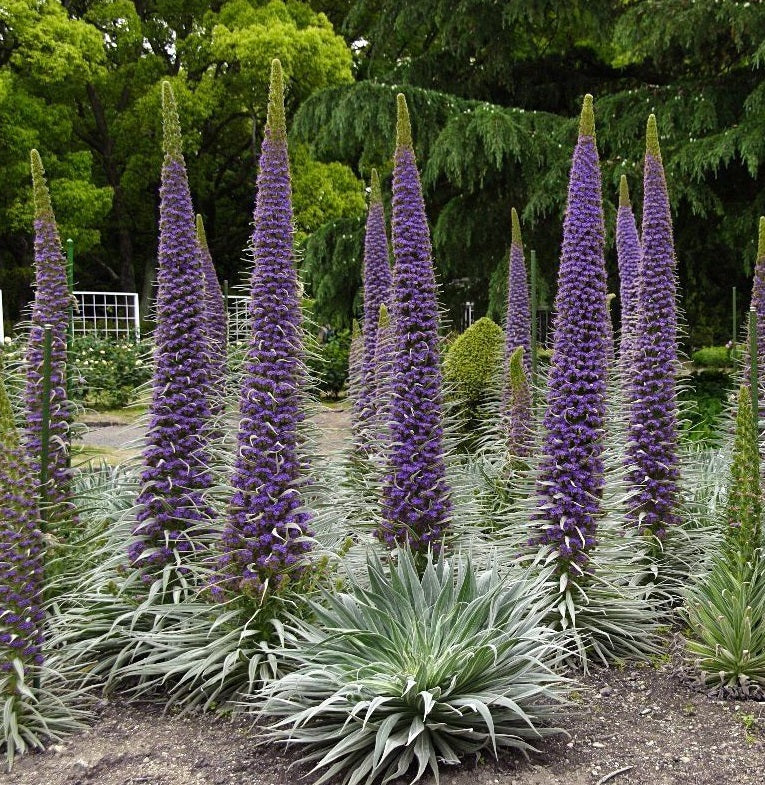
(109, 314)
(238, 318)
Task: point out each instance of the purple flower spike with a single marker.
(758, 296)
(518, 320)
(571, 480)
(266, 535)
(378, 282)
(50, 307)
(21, 549)
(416, 504)
(653, 442)
(629, 255)
(217, 330)
(175, 460)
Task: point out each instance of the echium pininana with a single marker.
(416, 501)
(50, 307)
(758, 296)
(628, 255)
(21, 549)
(172, 508)
(265, 536)
(381, 381)
(377, 290)
(216, 325)
(518, 318)
(653, 443)
(744, 507)
(519, 412)
(571, 478)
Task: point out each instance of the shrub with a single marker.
(416, 670)
(108, 373)
(473, 360)
(328, 362)
(712, 357)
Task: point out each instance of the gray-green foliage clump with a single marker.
(473, 360)
(726, 610)
(403, 670)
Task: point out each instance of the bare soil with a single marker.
(635, 726)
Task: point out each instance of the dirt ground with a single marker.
(635, 726)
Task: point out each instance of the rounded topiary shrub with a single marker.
(473, 360)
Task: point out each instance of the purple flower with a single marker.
(50, 307)
(518, 319)
(266, 534)
(21, 549)
(628, 254)
(571, 479)
(416, 504)
(216, 325)
(175, 459)
(653, 443)
(377, 290)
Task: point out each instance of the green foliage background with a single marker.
(494, 89)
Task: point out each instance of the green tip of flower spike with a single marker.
(761, 238)
(652, 138)
(376, 195)
(201, 235)
(403, 123)
(587, 118)
(276, 121)
(39, 186)
(355, 330)
(609, 299)
(384, 318)
(517, 371)
(624, 192)
(171, 126)
(515, 236)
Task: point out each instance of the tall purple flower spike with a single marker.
(378, 283)
(653, 442)
(571, 479)
(416, 503)
(629, 255)
(758, 296)
(50, 307)
(21, 549)
(175, 476)
(266, 532)
(518, 319)
(217, 326)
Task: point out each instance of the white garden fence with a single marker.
(108, 314)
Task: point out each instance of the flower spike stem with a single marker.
(534, 337)
(753, 376)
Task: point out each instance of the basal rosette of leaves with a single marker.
(50, 307)
(172, 506)
(571, 473)
(378, 285)
(266, 536)
(402, 671)
(216, 325)
(652, 449)
(518, 315)
(416, 503)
